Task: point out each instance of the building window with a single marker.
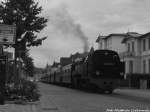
(130, 66)
(149, 43)
(128, 47)
(144, 45)
(132, 46)
(101, 45)
(144, 66)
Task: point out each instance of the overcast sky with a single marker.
(90, 18)
(73, 24)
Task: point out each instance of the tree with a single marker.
(29, 66)
(25, 14)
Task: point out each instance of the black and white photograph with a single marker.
(74, 55)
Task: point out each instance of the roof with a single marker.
(100, 37)
(133, 34)
(130, 35)
(146, 34)
(116, 34)
(65, 61)
(55, 64)
(113, 34)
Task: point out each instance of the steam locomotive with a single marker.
(100, 70)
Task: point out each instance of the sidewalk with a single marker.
(29, 107)
(44, 105)
(47, 104)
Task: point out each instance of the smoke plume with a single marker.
(62, 21)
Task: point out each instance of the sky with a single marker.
(74, 25)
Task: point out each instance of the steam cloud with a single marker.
(62, 21)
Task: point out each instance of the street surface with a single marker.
(61, 99)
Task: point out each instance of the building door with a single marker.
(131, 66)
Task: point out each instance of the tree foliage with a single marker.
(25, 14)
(29, 66)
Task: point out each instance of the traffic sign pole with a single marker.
(7, 36)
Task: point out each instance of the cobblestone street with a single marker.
(61, 99)
(71, 100)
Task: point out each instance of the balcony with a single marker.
(129, 54)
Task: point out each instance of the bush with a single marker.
(25, 90)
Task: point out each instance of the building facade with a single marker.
(137, 58)
(111, 42)
(101, 42)
(132, 54)
(134, 50)
(145, 53)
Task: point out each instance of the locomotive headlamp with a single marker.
(97, 73)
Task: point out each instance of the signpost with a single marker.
(7, 36)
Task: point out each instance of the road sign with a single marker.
(7, 34)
